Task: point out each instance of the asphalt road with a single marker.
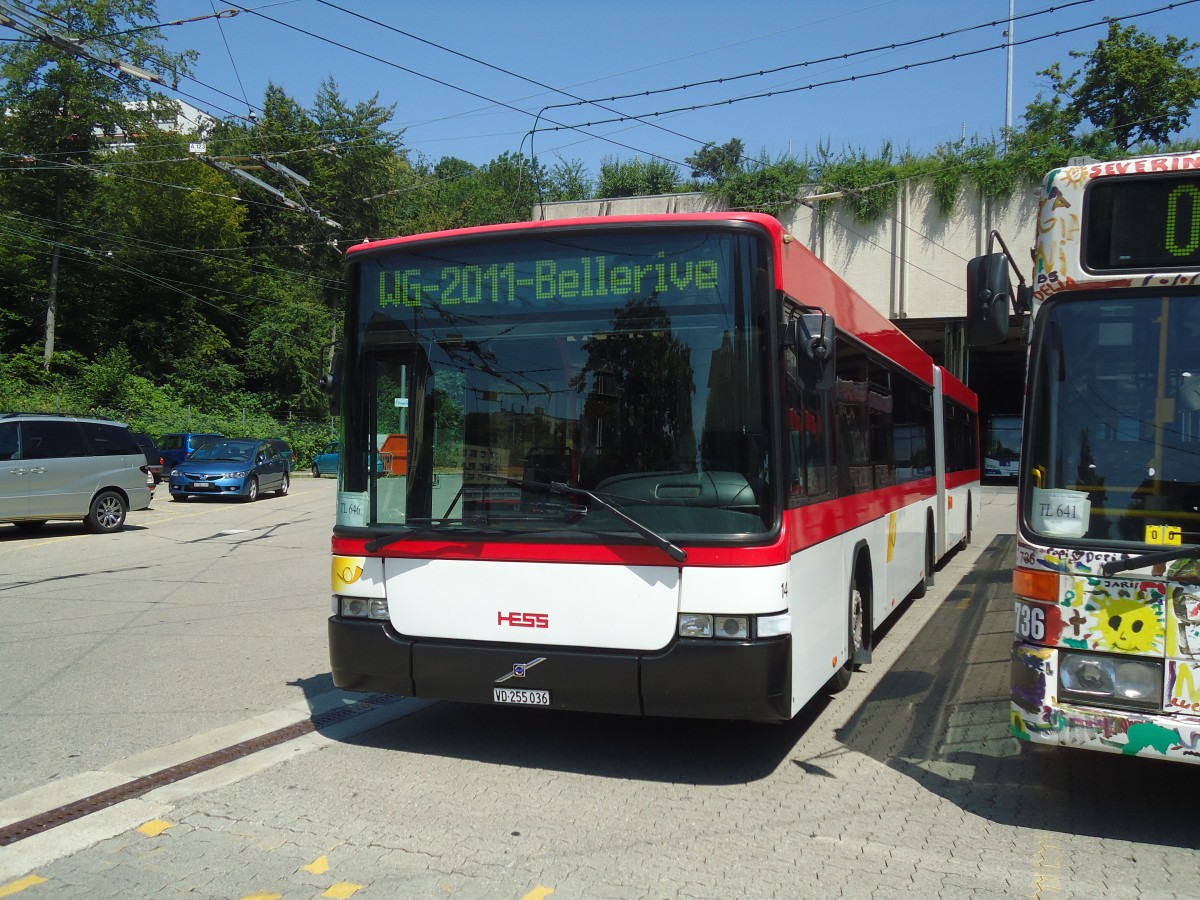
(202, 626)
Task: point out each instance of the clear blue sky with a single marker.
(452, 105)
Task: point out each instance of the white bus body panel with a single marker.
(563, 604)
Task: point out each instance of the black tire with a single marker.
(30, 524)
(107, 513)
(316, 471)
(252, 489)
(855, 640)
(282, 490)
(926, 582)
(180, 498)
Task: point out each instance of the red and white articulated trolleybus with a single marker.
(1106, 651)
(655, 465)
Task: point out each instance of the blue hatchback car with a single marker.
(326, 462)
(231, 468)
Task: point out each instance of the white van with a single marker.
(63, 467)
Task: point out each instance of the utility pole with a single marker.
(1008, 91)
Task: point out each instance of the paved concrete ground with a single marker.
(906, 785)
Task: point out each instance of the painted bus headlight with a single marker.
(1110, 680)
(360, 607)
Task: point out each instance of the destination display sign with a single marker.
(518, 276)
(1143, 224)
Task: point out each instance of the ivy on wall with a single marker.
(869, 183)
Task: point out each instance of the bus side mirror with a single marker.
(331, 384)
(989, 295)
(812, 337)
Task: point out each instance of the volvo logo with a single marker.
(519, 669)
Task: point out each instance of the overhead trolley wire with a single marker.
(889, 71)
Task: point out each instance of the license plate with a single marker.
(521, 697)
(199, 486)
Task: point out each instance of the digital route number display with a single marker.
(1146, 224)
(518, 276)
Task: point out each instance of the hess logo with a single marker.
(523, 619)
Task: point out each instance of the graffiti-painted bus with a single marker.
(656, 465)
(1106, 651)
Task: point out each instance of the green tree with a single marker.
(169, 271)
(766, 186)
(718, 164)
(569, 181)
(61, 110)
(636, 178)
(287, 348)
(458, 194)
(1131, 87)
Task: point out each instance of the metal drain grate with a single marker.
(69, 812)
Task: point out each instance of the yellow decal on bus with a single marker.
(346, 571)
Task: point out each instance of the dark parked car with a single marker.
(230, 468)
(154, 460)
(284, 449)
(177, 446)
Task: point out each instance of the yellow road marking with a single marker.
(318, 866)
(342, 890)
(1049, 868)
(263, 895)
(538, 893)
(155, 827)
(15, 887)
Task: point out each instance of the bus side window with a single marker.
(854, 471)
(808, 444)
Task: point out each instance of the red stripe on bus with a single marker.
(803, 527)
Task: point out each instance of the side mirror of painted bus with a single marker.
(331, 384)
(989, 297)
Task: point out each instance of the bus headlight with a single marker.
(706, 625)
(1102, 679)
(695, 625)
(734, 628)
(361, 607)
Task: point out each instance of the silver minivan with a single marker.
(64, 467)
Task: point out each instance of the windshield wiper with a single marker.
(674, 551)
(1113, 566)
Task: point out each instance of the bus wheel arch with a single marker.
(858, 619)
(925, 582)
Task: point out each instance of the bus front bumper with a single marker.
(710, 679)
(1038, 715)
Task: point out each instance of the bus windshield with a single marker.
(502, 373)
(1115, 443)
